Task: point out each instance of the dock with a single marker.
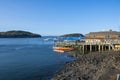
(90, 45)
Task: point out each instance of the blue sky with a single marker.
(56, 17)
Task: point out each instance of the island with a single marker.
(18, 34)
(73, 35)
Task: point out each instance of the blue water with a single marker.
(29, 59)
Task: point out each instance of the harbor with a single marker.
(100, 55)
(96, 41)
(59, 39)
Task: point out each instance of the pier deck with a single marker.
(90, 45)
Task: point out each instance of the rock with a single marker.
(94, 66)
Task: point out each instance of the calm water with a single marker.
(29, 59)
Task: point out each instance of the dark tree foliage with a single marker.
(73, 35)
(18, 34)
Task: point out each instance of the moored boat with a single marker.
(63, 48)
(61, 51)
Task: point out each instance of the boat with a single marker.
(48, 39)
(63, 48)
(59, 51)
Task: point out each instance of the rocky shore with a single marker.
(92, 66)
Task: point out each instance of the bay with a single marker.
(29, 59)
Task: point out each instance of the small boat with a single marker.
(63, 48)
(48, 39)
(59, 51)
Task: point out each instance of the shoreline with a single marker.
(93, 66)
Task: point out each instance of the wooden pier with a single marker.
(90, 45)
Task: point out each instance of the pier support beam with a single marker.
(99, 48)
(86, 47)
(90, 48)
(83, 49)
(105, 47)
(102, 47)
(109, 47)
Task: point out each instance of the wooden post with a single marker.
(83, 49)
(105, 47)
(90, 47)
(99, 48)
(102, 47)
(109, 47)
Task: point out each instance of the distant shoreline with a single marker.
(18, 34)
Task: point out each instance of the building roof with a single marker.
(105, 32)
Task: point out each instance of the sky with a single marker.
(57, 17)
